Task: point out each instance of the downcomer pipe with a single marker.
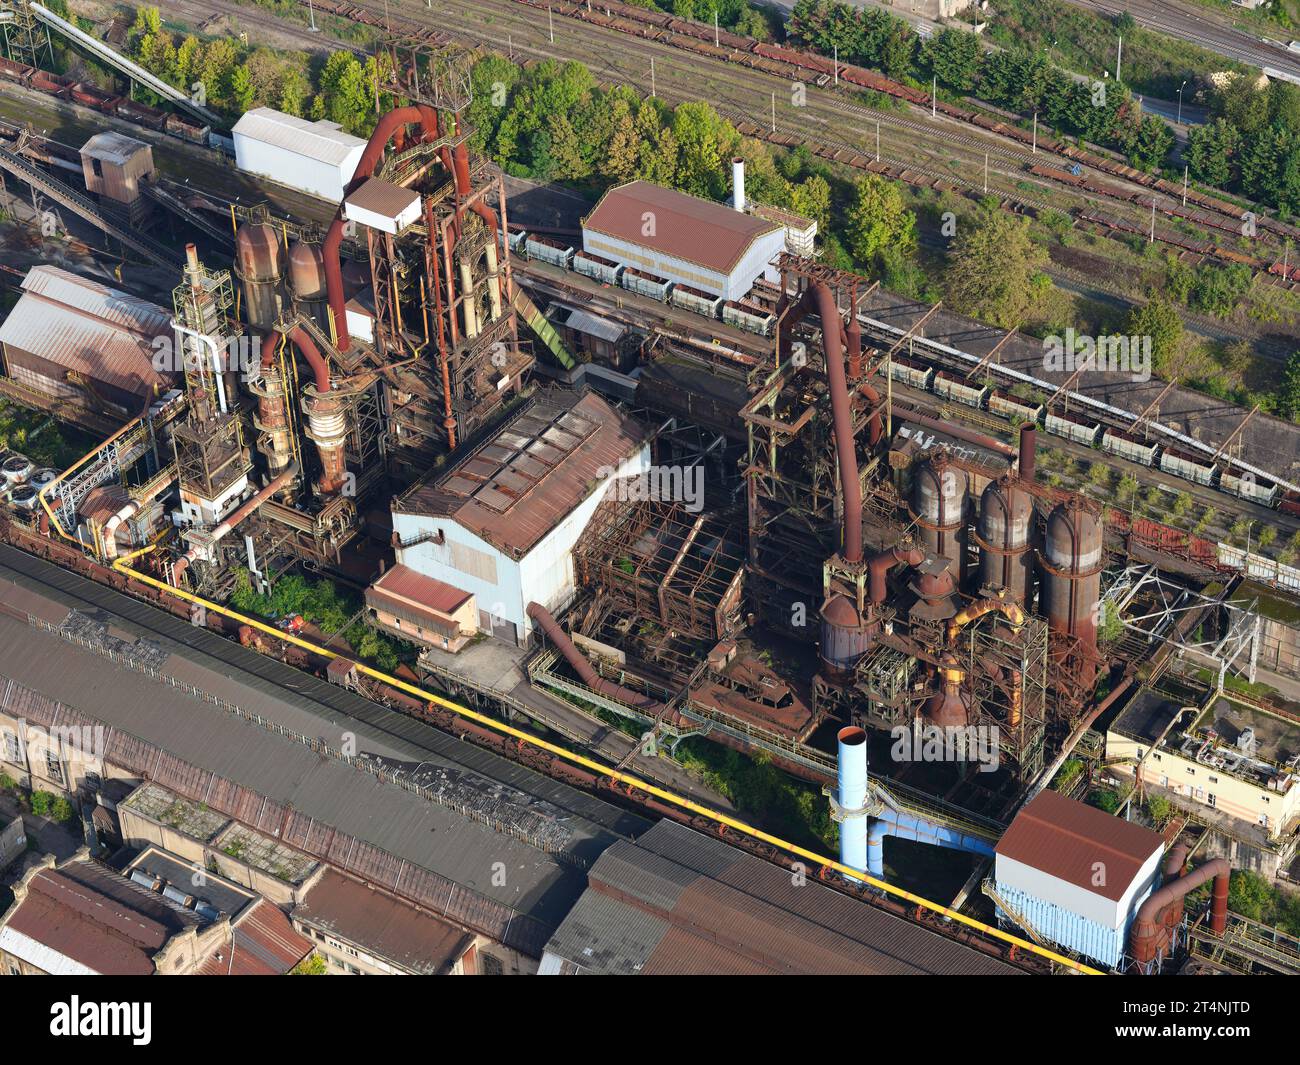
(1150, 936)
(387, 127)
(851, 796)
(880, 565)
(582, 667)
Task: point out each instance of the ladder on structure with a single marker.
(1022, 922)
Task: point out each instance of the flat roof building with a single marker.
(682, 238)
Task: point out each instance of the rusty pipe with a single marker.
(1150, 937)
(306, 347)
(1028, 449)
(385, 130)
(1174, 863)
(1009, 607)
(880, 565)
(585, 670)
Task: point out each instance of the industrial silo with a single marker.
(1003, 532)
(257, 265)
(307, 281)
(939, 491)
(1072, 557)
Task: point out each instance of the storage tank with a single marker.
(1006, 522)
(307, 280)
(1072, 558)
(16, 470)
(24, 497)
(939, 490)
(257, 265)
(43, 476)
(845, 638)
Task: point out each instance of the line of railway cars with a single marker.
(1170, 459)
(748, 315)
(92, 96)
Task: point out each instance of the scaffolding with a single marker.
(1006, 670)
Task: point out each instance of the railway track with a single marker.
(921, 153)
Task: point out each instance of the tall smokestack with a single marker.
(851, 795)
(738, 184)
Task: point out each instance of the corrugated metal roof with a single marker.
(264, 943)
(520, 484)
(686, 227)
(678, 901)
(113, 147)
(438, 855)
(88, 328)
(322, 141)
(1066, 839)
(97, 919)
(408, 588)
(382, 925)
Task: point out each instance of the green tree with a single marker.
(1158, 320)
(1288, 393)
(878, 219)
(954, 57)
(993, 267)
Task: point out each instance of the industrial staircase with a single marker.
(990, 890)
(82, 206)
(545, 331)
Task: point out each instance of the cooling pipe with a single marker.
(1150, 937)
(905, 826)
(583, 668)
(851, 796)
(880, 565)
(1010, 609)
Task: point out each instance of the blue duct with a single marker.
(905, 826)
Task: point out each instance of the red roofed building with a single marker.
(422, 609)
(682, 238)
(85, 919)
(1075, 874)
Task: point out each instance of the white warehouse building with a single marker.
(501, 523)
(704, 245)
(1075, 874)
(313, 157)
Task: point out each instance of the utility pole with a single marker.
(1035, 132)
(1184, 184)
(1152, 239)
(934, 97)
(986, 173)
(877, 140)
(836, 48)
(1119, 54)
(773, 112)
(550, 22)
(510, 46)
(311, 11)
(716, 42)
(1179, 121)
(652, 76)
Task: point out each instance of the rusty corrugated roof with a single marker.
(88, 328)
(382, 925)
(678, 901)
(518, 486)
(1067, 839)
(264, 943)
(686, 227)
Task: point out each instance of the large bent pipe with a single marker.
(1149, 932)
(905, 826)
(306, 347)
(880, 565)
(384, 132)
(582, 667)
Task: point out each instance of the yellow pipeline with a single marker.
(1009, 608)
(626, 779)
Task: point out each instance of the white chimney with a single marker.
(738, 184)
